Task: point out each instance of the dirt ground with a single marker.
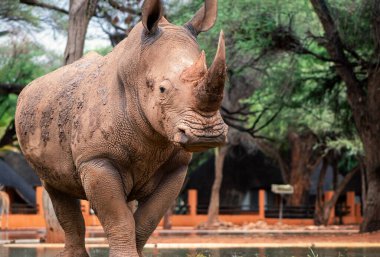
(288, 235)
(269, 238)
(261, 233)
(300, 235)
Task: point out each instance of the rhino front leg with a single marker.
(152, 209)
(104, 189)
(69, 215)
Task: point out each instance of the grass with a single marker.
(313, 254)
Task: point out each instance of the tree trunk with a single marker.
(80, 14)
(328, 206)
(318, 216)
(364, 185)
(54, 231)
(371, 221)
(322, 207)
(335, 174)
(303, 164)
(363, 96)
(301, 184)
(213, 210)
(9, 135)
(370, 135)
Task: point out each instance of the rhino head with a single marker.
(179, 95)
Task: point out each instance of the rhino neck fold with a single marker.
(130, 105)
(130, 76)
(139, 120)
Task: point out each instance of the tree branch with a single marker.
(44, 5)
(240, 111)
(268, 121)
(306, 51)
(261, 114)
(6, 88)
(235, 118)
(321, 181)
(376, 26)
(122, 8)
(9, 135)
(342, 186)
(335, 48)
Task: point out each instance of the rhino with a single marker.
(123, 127)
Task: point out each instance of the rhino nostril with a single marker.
(181, 137)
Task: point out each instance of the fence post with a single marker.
(193, 201)
(350, 202)
(85, 209)
(328, 196)
(358, 212)
(262, 204)
(40, 208)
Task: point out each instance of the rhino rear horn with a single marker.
(209, 91)
(205, 18)
(197, 71)
(152, 12)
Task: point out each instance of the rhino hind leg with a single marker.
(69, 215)
(105, 192)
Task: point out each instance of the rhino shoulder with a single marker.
(87, 60)
(91, 55)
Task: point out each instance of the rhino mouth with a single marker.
(197, 138)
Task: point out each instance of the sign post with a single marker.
(282, 190)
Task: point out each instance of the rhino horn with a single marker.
(210, 92)
(204, 19)
(197, 71)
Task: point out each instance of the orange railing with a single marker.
(192, 218)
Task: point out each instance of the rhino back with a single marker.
(45, 117)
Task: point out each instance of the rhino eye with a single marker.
(162, 89)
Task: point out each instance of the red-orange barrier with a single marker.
(192, 219)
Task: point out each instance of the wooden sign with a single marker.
(282, 189)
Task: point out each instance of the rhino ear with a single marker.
(205, 18)
(151, 14)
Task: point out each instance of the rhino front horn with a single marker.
(210, 91)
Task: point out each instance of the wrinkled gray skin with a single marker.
(122, 127)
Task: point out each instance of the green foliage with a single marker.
(312, 253)
(352, 146)
(266, 41)
(309, 94)
(354, 20)
(15, 13)
(7, 111)
(308, 89)
(22, 61)
(102, 51)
